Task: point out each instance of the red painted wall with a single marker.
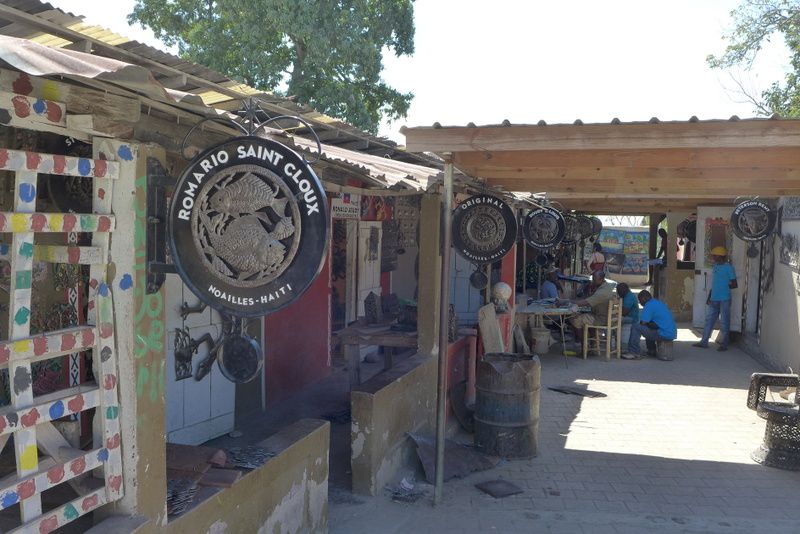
(297, 348)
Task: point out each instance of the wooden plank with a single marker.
(489, 328)
(78, 99)
(106, 371)
(570, 175)
(54, 222)
(694, 158)
(19, 369)
(69, 254)
(722, 134)
(62, 515)
(20, 160)
(50, 474)
(49, 345)
(48, 408)
(60, 254)
(220, 478)
(33, 109)
(106, 427)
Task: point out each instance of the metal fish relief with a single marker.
(246, 225)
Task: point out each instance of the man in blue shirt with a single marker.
(630, 306)
(550, 285)
(655, 324)
(718, 304)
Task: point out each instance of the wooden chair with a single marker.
(612, 327)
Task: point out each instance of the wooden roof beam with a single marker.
(696, 158)
(647, 136)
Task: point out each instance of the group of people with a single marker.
(654, 322)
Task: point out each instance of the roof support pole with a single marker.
(444, 319)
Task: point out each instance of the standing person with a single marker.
(718, 304)
(630, 305)
(597, 261)
(655, 324)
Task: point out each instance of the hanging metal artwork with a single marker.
(571, 230)
(478, 279)
(753, 220)
(543, 227)
(585, 226)
(248, 226)
(484, 229)
(691, 230)
(240, 358)
(597, 225)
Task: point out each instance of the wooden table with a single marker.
(354, 336)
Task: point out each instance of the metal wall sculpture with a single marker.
(248, 226)
(544, 227)
(484, 229)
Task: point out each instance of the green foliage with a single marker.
(326, 53)
(755, 23)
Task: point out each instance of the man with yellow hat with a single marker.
(718, 304)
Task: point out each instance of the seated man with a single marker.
(598, 301)
(630, 306)
(655, 324)
(550, 286)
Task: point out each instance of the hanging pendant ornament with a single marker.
(543, 228)
(753, 220)
(484, 229)
(478, 279)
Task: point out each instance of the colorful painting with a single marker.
(615, 263)
(612, 240)
(717, 232)
(377, 208)
(637, 242)
(635, 264)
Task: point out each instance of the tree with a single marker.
(755, 23)
(325, 53)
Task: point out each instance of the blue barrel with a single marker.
(507, 405)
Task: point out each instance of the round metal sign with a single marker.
(248, 226)
(484, 229)
(752, 220)
(585, 226)
(597, 225)
(572, 231)
(543, 227)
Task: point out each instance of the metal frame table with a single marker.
(557, 314)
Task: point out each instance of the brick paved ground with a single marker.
(668, 450)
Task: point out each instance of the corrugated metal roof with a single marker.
(50, 26)
(39, 60)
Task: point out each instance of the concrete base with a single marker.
(384, 410)
(288, 494)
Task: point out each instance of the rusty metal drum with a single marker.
(507, 405)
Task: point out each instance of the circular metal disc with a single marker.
(543, 228)
(484, 229)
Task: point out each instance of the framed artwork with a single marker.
(791, 209)
(790, 251)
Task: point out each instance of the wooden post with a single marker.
(19, 319)
(430, 265)
(444, 319)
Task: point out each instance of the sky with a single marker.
(528, 60)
